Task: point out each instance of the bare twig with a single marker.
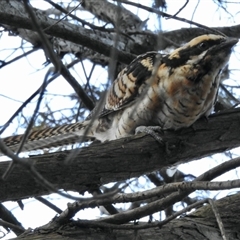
(161, 204)
(92, 26)
(218, 218)
(223, 87)
(33, 96)
(184, 5)
(49, 204)
(46, 45)
(30, 125)
(10, 221)
(183, 188)
(3, 63)
(142, 226)
(59, 66)
(156, 192)
(67, 14)
(14, 227)
(163, 14)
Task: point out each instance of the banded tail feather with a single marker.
(50, 137)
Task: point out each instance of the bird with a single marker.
(169, 91)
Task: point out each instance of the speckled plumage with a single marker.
(171, 91)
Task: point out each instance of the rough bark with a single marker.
(106, 11)
(124, 158)
(13, 14)
(200, 225)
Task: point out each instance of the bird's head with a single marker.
(212, 50)
(204, 55)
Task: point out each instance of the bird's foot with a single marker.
(151, 130)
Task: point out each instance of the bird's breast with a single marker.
(186, 94)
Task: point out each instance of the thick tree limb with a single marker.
(96, 40)
(108, 12)
(12, 13)
(124, 158)
(200, 225)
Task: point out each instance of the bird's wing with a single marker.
(131, 81)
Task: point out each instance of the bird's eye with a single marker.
(203, 45)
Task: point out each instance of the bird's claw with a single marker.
(151, 130)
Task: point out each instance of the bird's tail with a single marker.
(51, 137)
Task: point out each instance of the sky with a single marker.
(20, 79)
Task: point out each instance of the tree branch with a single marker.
(124, 158)
(12, 13)
(199, 225)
